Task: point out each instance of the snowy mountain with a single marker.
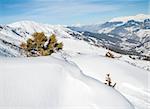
(127, 35)
(13, 34)
(138, 17)
(74, 77)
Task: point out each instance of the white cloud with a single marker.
(71, 8)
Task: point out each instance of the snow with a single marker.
(15, 33)
(138, 17)
(142, 33)
(71, 79)
(32, 27)
(131, 81)
(74, 46)
(135, 62)
(54, 83)
(133, 31)
(24, 30)
(105, 30)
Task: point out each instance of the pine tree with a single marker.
(59, 46)
(53, 39)
(38, 46)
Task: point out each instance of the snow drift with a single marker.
(48, 82)
(131, 81)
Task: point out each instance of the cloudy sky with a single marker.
(69, 12)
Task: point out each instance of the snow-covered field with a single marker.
(131, 81)
(130, 75)
(72, 79)
(53, 83)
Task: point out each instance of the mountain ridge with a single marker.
(132, 37)
(138, 17)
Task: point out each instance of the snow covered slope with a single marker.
(32, 27)
(129, 35)
(10, 41)
(12, 35)
(44, 83)
(131, 81)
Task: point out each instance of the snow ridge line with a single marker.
(88, 79)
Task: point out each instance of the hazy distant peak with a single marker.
(138, 17)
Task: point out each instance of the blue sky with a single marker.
(69, 12)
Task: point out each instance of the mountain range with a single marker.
(126, 35)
